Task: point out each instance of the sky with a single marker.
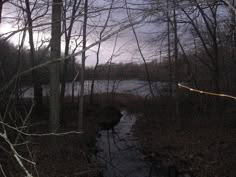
(150, 35)
(125, 47)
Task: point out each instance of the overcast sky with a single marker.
(125, 46)
(151, 35)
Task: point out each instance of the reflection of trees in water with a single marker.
(121, 155)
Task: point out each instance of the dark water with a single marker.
(120, 154)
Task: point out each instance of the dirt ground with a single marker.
(202, 147)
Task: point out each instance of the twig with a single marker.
(39, 135)
(86, 172)
(230, 5)
(2, 171)
(16, 155)
(206, 92)
(24, 122)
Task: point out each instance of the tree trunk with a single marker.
(1, 5)
(76, 5)
(144, 61)
(38, 96)
(81, 100)
(169, 54)
(177, 117)
(55, 67)
(98, 53)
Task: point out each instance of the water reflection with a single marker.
(120, 153)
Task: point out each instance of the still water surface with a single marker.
(120, 152)
(135, 87)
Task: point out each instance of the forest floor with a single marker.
(54, 156)
(202, 144)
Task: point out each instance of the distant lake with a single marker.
(135, 87)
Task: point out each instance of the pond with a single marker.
(135, 87)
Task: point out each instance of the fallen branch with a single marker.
(206, 92)
(18, 157)
(3, 173)
(39, 135)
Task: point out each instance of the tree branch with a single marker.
(206, 92)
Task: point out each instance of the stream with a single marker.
(120, 154)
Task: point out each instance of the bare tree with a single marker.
(54, 67)
(141, 53)
(68, 28)
(81, 96)
(176, 67)
(98, 51)
(169, 48)
(37, 86)
(208, 38)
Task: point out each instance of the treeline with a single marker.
(191, 69)
(117, 71)
(15, 60)
(125, 71)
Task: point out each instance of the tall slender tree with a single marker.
(208, 37)
(68, 28)
(141, 53)
(81, 96)
(98, 52)
(169, 48)
(37, 86)
(54, 67)
(176, 72)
